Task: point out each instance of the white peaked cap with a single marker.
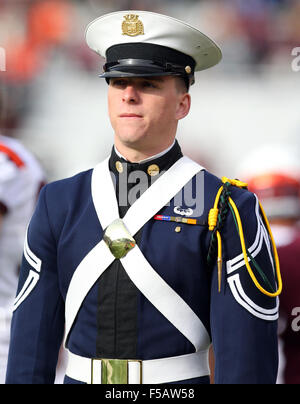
(144, 27)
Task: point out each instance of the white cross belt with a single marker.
(140, 271)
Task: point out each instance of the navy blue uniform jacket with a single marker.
(116, 320)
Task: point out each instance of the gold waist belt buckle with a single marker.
(115, 371)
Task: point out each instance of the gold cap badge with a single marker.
(132, 26)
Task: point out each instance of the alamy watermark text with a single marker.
(296, 60)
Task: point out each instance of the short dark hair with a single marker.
(182, 84)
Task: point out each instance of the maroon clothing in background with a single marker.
(289, 256)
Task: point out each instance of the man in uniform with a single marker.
(124, 259)
(21, 178)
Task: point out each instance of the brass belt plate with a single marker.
(114, 371)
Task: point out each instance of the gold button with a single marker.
(178, 229)
(153, 170)
(188, 69)
(119, 166)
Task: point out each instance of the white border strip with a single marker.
(150, 202)
(165, 299)
(241, 297)
(28, 286)
(84, 277)
(160, 193)
(104, 194)
(237, 262)
(31, 258)
(240, 264)
(268, 244)
(32, 278)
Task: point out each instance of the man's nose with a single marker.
(130, 94)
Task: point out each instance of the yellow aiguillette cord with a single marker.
(242, 239)
(212, 221)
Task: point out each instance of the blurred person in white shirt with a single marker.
(21, 178)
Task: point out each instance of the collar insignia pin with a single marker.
(153, 170)
(119, 167)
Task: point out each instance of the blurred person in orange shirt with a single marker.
(47, 25)
(49, 22)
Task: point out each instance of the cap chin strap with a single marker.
(143, 63)
(147, 68)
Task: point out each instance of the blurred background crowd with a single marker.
(53, 100)
(245, 111)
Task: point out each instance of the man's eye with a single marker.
(149, 84)
(118, 82)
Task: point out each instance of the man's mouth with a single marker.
(130, 115)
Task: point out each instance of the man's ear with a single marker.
(184, 106)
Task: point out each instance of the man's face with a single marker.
(144, 112)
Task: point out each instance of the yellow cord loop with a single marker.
(236, 183)
(212, 222)
(220, 260)
(213, 213)
(242, 239)
(212, 218)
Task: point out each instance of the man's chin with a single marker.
(132, 138)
